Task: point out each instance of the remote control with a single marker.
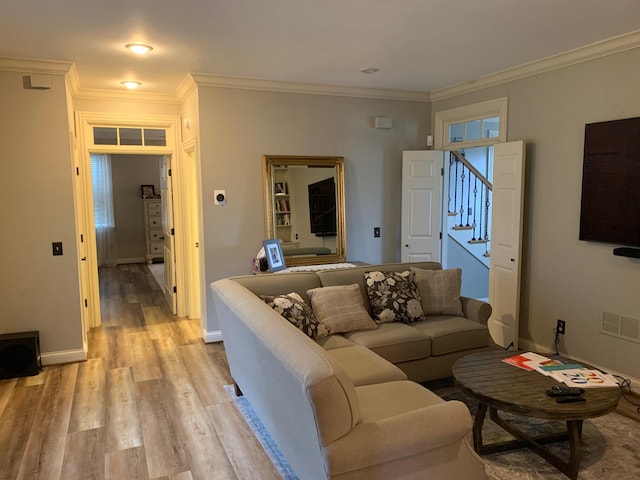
(560, 391)
(570, 399)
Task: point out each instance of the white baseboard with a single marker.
(63, 356)
(122, 261)
(534, 347)
(211, 337)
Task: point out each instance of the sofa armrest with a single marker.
(400, 436)
(476, 310)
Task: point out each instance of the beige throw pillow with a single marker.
(340, 308)
(439, 290)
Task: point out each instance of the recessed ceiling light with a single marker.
(139, 48)
(131, 84)
(369, 70)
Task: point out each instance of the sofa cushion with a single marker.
(334, 341)
(394, 297)
(364, 367)
(388, 399)
(341, 308)
(272, 284)
(450, 334)
(347, 276)
(439, 290)
(292, 307)
(395, 342)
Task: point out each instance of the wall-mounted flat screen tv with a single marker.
(610, 205)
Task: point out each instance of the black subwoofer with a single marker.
(20, 354)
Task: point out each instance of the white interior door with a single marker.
(421, 205)
(168, 233)
(506, 242)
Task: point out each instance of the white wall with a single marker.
(237, 127)
(38, 291)
(128, 173)
(562, 276)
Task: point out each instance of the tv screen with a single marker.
(322, 208)
(610, 205)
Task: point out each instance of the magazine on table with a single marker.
(585, 378)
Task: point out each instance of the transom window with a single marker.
(480, 124)
(149, 137)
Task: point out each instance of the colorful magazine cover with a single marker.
(585, 378)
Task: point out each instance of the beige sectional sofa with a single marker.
(347, 406)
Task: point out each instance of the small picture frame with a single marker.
(273, 251)
(148, 191)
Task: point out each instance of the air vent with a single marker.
(621, 327)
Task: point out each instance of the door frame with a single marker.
(443, 119)
(85, 121)
(194, 243)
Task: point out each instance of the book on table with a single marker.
(525, 361)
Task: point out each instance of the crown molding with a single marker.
(185, 88)
(26, 65)
(586, 53)
(245, 83)
(115, 95)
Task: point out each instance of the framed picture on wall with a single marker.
(148, 191)
(275, 258)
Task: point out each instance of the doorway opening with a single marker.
(467, 216)
(145, 135)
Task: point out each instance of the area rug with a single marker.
(610, 444)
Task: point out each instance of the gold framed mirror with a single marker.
(304, 207)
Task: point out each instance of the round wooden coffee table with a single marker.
(500, 386)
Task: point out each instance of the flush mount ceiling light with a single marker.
(369, 70)
(131, 84)
(139, 48)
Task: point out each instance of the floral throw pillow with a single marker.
(394, 297)
(292, 307)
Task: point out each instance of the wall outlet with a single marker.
(560, 327)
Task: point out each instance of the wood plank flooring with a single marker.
(149, 402)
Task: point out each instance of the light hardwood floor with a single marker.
(149, 402)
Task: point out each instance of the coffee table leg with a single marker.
(478, 422)
(574, 430)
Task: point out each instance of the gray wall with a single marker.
(37, 290)
(128, 173)
(563, 277)
(237, 127)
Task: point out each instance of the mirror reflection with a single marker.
(304, 207)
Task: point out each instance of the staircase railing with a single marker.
(470, 195)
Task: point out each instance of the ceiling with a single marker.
(418, 45)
